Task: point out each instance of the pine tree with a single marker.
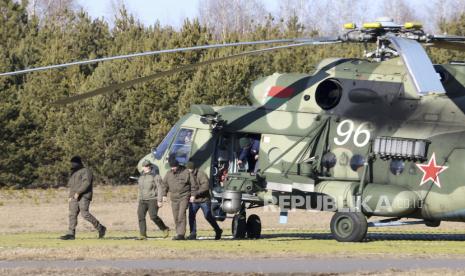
(113, 131)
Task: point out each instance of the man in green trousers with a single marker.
(80, 196)
(150, 199)
(181, 185)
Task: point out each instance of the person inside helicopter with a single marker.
(249, 149)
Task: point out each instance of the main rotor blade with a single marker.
(201, 47)
(129, 83)
(419, 66)
(451, 38)
(449, 45)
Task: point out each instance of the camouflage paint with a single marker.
(285, 110)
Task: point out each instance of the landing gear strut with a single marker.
(349, 226)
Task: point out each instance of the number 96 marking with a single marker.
(344, 132)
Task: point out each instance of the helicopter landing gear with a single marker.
(432, 223)
(242, 228)
(239, 226)
(349, 226)
(254, 227)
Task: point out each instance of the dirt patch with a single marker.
(109, 271)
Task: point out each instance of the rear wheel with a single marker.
(349, 226)
(254, 227)
(239, 226)
(432, 223)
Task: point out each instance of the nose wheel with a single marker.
(242, 228)
(349, 226)
(239, 226)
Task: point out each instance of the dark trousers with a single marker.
(152, 207)
(80, 206)
(207, 213)
(179, 207)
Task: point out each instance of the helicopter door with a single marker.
(227, 155)
(182, 145)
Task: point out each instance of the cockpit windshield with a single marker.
(182, 145)
(163, 146)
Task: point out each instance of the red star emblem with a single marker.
(431, 171)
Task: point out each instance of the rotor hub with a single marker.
(378, 32)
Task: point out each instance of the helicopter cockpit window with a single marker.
(161, 149)
(182, 145)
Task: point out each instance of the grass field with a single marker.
(32, 220)
(121, 245)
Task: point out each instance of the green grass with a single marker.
(123, 245)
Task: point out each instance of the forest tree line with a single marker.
(112, 132)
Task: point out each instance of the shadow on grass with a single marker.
(124, 238)
(119, 238)
(374, 236)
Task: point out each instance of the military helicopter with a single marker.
(379, 136)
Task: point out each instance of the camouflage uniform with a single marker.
(181, 185)
(80, 183)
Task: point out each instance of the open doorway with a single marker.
(235, 153)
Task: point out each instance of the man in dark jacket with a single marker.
(80, 196)
(150, 199)
(201, 201)
(249, 153)
(181, 184)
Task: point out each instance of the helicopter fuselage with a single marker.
(354, 132)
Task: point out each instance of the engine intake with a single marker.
(328, 93)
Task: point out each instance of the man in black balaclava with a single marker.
(80, 196)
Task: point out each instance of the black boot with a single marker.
(67, 237)
(101, 232)
(218, 234)
(192, 236)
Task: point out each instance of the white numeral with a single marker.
(344, 131)
(346, 134)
